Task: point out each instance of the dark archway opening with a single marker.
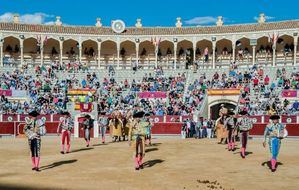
(214, 110)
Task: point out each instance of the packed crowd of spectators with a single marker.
(48, 93)
(260, 97)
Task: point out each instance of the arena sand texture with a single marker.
(171, 163)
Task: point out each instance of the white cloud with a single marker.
(201, 20)
(50, 23)
(36, 18)
(267, 18)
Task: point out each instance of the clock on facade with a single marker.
(118, 26)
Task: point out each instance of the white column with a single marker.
(1, 54)
(42, 52)
(22, 50)
(295, 49)
(253, 54)
(274, 54)
(99, 54)
(118, 56)
(214, 53)
(234, 50)
(174, 53)
(61, 51)
(80, 52)
(156, 55)
(194, 52)
(137, 53)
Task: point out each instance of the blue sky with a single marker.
(152, 12)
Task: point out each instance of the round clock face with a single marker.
(118, 26)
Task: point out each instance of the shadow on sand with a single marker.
(151, 149)
(57, 164)
(156, 144)
(81, 149)
(151, 163)
(15, 187)
(246, 153)
(100, 144)
(268, 163)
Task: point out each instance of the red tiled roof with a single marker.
(293, 24)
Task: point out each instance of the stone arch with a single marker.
(30, 46)
(51, 49)
(224, 49)
(215, 105)
(165, 46)
(243, 43)
(10, 45)
(109, 51)
(185, 51)
(71, 48)
(89, 50)
(263, 44)
(285, 43)
(148, 46)
(127, 50)
(76, 124)
(200, 47)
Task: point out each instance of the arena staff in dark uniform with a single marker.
(274, 132)
(229, 124)
(66, 125)
(34, 129)
(87, 125)
(244, 124)
(148, 136)
(137, 135)
(103, 123)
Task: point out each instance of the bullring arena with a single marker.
(170, 163)
(137, 107)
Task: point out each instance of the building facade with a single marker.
(273, 43)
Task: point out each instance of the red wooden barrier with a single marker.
(156, 119)
(258, 129)
(289, 119)
(10, 117)
(167, 128)
(257, 118)
(7, 128)
(172, 118)
(57, 117)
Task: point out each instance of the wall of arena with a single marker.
(163, 125)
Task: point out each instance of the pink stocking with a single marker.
(33, 162)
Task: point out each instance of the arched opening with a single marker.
(109, 52)
(223, 50)
(264, 49)
(79, 119)
(243, 50)
(200, 48)
(51, 50)
(11, 50)
(127, 52)
(185, 52)
(71, 49)
(285, 46)
(89, 50)
(146, 52)
(214, 109)
(166, 52)
(31, 49)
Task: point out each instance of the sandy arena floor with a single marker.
(171, 163)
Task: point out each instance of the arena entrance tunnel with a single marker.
(214, 109)
(78, 128)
